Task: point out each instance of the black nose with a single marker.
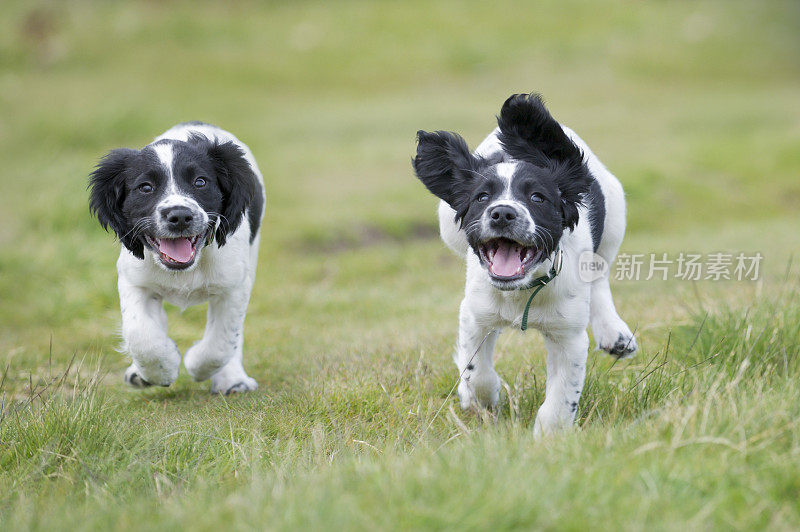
(502, 215)
(177, 218)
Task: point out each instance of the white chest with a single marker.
(215, 274)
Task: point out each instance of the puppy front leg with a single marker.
(479, 384)
(610, 332)
(223, 338)
(156, 359)
(566, 371)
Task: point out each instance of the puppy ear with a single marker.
(238, 184)
(445, 165)
(574, 181)
(528, 132)
(107, 184)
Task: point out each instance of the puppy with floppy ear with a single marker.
(187, 210)
(524, 209)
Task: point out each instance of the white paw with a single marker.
(133, 379)
(548, 422)
(230, 385)
(156, 361)
(615, 338)
(202, 362)
(479, 389)
(151, 374)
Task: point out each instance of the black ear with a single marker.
(528, 132)
(574, 181)
(239, 186)
(444, 164)
(107, 184)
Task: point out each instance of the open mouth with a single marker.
(506, 259)
(177, 253)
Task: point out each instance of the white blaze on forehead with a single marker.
(505, 171)
(165, 156)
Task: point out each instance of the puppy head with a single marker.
(513, 210)
(172, 198)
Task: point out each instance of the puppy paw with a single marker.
(616, 339)
(157, 374)
(202, 362)
(156, 361)
(480, 390)
(549, 422)
(229, 386)
(624, 347)
(133, 379)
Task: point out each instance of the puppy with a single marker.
(525, 209)
(187, 210)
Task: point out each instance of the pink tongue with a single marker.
(506, 261)
(178, 249)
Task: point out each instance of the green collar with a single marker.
(541, 282)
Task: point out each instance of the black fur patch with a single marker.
(596, 205)
(111, 184)
(254, 212)
(448, 169)
(622, 347)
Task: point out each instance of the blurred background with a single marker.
(693, 105)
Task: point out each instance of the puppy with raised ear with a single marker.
(525, 209)
(187, 209)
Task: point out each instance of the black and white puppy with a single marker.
(531, 188)
(187, 209)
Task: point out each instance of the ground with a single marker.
(353, 318)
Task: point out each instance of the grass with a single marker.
(353, 317)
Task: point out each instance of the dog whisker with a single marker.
(221, 217)
(138, 227)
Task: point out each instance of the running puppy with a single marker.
(525, 209)
(187, 209)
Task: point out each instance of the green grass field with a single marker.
(694, 106)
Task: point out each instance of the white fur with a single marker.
(223, 276)
(561, 311)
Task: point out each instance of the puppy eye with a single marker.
(145, 188)
(537, 198)
(200, 182)
(483, 197)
